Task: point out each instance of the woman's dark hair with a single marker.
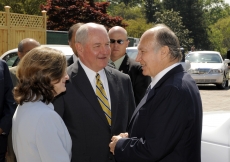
(38, 70)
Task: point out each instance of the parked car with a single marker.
(11, 56)
(208, 67)
(133, 51)
(215, 143)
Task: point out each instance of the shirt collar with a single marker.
(119, 62)
(161, 74)
(90, 73)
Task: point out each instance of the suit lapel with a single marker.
(124, 68)
(113, 91)
(148, 96)
(81, 82)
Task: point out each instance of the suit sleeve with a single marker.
(166, 122)
(8, 102)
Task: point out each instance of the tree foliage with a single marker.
(126, 12)
(219, 35)
(31, 7)
(137, 27)
(173, 20)
(193, 19)
(64, 13)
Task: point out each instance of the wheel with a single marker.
(224, 83)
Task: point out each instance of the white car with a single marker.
(11, 56)
(133, 51)
(215, 143)
(208, 67)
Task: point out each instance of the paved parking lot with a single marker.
(214, 99)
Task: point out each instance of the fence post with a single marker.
(7, 9)
(44, 21)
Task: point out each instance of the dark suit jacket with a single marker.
(166, 126)
(7, 103)
(139, 82)
(13, 75)
(84, 117)
(70, 61)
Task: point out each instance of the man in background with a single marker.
(71, 40)
(24, 46)
(7, 107)
(118, 43)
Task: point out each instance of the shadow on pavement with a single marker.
(210, 87)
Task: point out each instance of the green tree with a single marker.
(219, 35)
(126, 12)
(137, 27)
(64, 13)
(193, 19)
(215, 10)
(173, 20)
(150, 8)
(31, 7)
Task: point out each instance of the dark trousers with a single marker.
(3, 147)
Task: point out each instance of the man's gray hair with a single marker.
(164, 36)
(83, 32)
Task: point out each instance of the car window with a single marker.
(132, 53)
(10, 58)
(204, 58)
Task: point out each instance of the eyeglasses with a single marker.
(119, 41)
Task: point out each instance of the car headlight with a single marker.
(216, 71)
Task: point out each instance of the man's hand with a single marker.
(114, 140)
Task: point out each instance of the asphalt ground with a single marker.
(214, 99)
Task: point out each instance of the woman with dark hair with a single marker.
(38, 132)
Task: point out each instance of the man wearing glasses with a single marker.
(118, 43)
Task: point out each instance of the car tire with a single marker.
(224, 84)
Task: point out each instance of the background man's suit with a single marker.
(166, 124)
(139, 82)
(84, 117)
(13, 75)
(7, 105)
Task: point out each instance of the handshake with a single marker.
(114, 140)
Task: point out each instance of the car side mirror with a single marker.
(226, 61)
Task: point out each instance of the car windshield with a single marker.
(132, 53)
(204, 58)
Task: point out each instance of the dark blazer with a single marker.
(166, 126)
(70, 60)
(7, 104)
(13, 75)
(139, 82)
(84, 117)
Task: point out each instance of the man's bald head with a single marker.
(118, 42)
(26, 45)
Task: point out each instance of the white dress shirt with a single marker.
(39, 134)
(161, 74)
(92, 78)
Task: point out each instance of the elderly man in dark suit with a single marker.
(166, 125)
(7, 107)
(98, 102)
(118, 43)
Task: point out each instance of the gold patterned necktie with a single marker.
(102, 98)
